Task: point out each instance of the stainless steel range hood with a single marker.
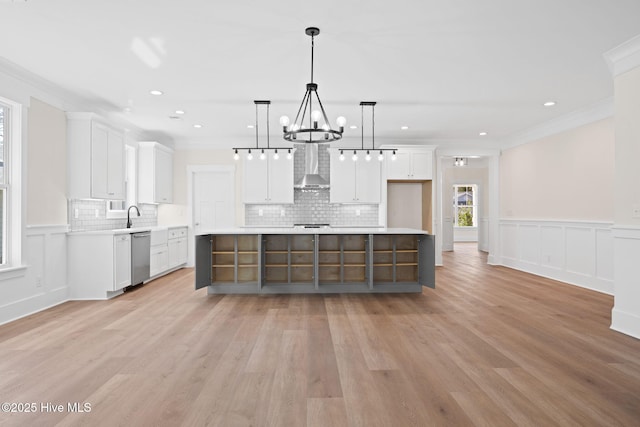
(311, 181)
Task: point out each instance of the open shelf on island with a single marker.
(315, 262)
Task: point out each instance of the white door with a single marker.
(213, 200)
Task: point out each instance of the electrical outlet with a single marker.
(260, 212)
(38, 282)
(357, 212)
(281, 212)
(97, 213)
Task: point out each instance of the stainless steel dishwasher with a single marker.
(140, 256)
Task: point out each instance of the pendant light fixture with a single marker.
(368, 151)
(311, 124)
(262, 151)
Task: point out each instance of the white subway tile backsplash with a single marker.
(87, 219)
(311, 207)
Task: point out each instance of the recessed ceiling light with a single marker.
(353, 127)
(197, 126)
(156, 92)
(549, 103)
(250, 126)
(482, 134)
(179, 111)
(404, 127)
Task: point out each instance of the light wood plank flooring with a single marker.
(489, 346)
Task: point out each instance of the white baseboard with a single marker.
(627, 323)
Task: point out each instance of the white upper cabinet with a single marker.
(95, 158)
(411, 163)
(155, 173)
(354, 182)
(268, 180)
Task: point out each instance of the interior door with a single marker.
(213, 200)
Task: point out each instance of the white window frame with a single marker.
(113, 211)
(474, 206)
(13, 235)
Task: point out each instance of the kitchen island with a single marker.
(314, 260)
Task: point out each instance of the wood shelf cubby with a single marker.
(395, 258)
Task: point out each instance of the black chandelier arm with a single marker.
(302, 104)
(326, 119)
(318, 136)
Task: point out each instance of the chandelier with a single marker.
(311, 125)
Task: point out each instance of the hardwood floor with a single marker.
(489, 346)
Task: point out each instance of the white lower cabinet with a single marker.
(122, 261)
(159, 261)
(99, 265)
(177, 244)
(168, 249)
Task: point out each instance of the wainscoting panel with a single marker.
(44, 283)
(575, 252)
(625, 316)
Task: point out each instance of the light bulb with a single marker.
(276, 156)
(262, 155)
(393, 156)
(284, 121)
(249, 155)
(295, 127)
(341, 156)
(368, 156)
(325, 127)
(355, 156)
(315, 116)
(341, 121)
(289, 155)
(380, 156)
(236, 156)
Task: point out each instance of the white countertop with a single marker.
(328, 230)
(122, 230)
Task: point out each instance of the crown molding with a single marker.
(624, 57)
(584, 116)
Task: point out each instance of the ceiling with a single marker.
(446, 69)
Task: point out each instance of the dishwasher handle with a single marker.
(140, 235)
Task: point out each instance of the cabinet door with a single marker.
(115, 166)
(255, 180)
(163, 176)
(422, 165)
(342, 179)
(280, 180)
(400, 168)
(177, 252)
(367, 181)
(122, 261)
(99, 161)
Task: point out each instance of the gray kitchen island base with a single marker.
(268, 261)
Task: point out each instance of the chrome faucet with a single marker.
(129, 224)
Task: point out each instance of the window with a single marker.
(4, 130)
(118, 208)
(465, 207)
(11, 232)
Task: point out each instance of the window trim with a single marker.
(14, 171)
(474, 206)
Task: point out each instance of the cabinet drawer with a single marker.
(177, 233)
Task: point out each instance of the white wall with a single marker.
(556, 206)
(47, 165)
(564, 176)
(626, 310)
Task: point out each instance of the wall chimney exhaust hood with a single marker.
(311, 181)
